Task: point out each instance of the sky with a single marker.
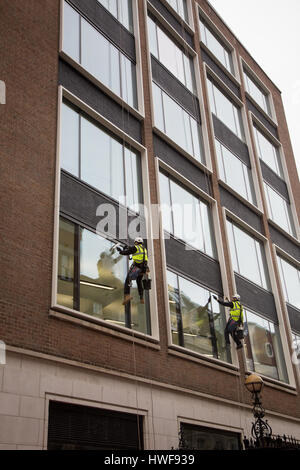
(270, 31)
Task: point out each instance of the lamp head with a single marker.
(254, 383)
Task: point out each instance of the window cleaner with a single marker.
(234, 326)
(138, 271)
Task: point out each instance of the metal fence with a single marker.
(274, 442)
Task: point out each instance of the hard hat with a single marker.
(236, 296)
(138, 240)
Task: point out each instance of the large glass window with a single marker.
(225, 110)
(99, 159)
(91, 277)
(290, 280)
(296, 347)
(264, 350)
(186, 216)
(181, 7)
(268, 152)
(87, 46)
(120, 9)
(257, 93)
(248, 256)
(201, 438)
(215, 45)
(171, 56)
(176, 123)
(279, 209)
(196, 324)
(235, 173)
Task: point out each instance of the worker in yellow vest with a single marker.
(137, 270)
(236, 319)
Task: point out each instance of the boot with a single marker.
(142, 301)
(127, 298)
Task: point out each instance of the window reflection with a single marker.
(290, 281)
(196, 324)
(215, 46)
(235, 173)
(254, 265)
(92, 50)
(263, 346)
(101, 161)
(268, 152)
(65, 281)
(279, 209)
(225, 110)
(257, 93)
(171, 55)
(91, 280)
(176, 123)
(120, 9)
(188, 217)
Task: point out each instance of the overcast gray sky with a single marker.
(270, 31)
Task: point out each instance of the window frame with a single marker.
(287, 209)
(212, 80)
(71, 314)
(139, 111)
(179, 346)
(169, 139)
(280, 254)
(283, 358)
(131, 25)
(235, 73)
(189, 190)
(254, 77)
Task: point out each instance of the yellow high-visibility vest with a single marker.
(236, 312)
(140, 255)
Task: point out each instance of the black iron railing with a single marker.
(272, 441)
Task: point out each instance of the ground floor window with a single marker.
(74, 427)
(194, 437)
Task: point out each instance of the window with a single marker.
(181, 7)
(296, 347)
(279, 209)
(87, 46)
(120, 9)
(235, 173)
(214, 44)
(225, 110)
(256, 92)
(248, 256)
(171, 56)
(196, 324)
(290, 281)
(201, 438)
(264, 350)
(268, 152)
(186, 216)
(99, 159)
(91, 277)
(176, 123)
(77, 427)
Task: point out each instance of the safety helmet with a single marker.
(138, 240)
(236, 296)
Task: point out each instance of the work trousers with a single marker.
(135, 273)
(231, 329)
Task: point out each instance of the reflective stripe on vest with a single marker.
(140, 255)
(236, 312)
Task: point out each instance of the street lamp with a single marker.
(260, 428)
